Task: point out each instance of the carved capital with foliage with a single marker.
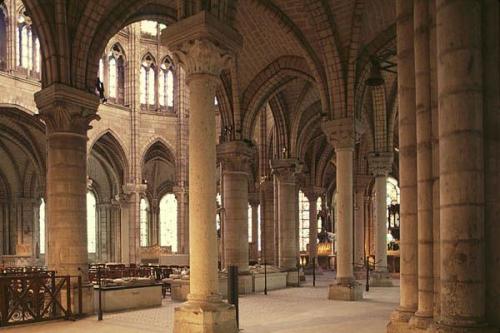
(342, 133)
(235, 156)
(65, 109)
(380, 164)
(286, 170)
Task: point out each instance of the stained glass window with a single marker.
(91, 222)
(168, 221)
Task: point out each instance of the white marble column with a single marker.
(341, 134)
(203, 46)
(67, 113)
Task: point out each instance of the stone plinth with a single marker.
(346, 292)
(217, 317)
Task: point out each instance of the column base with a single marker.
(350, 291)
(399, 322)
(420, 321)
(380, 279)
(205, 317)
(442, 328)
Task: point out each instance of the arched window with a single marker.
(144, 222)
(28, 45)
(3, 37)
(393, 201)
(319, 203)
(168, 221)
(166, 84)
(112, 77)
(250, 224)
(303, 221)
(41, 220)
(116, 74)
(147, 84)
(91, 222)
(101, 70)
(218, 200)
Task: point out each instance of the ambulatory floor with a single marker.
(293, 310)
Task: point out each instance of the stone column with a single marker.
(267, 222)
(341, 135)
(67, 113)
(461, 166)
(285, 171)
(235, 157)
(421, 15)
(380, 165)
(254, 204)
(312, 194)
(181, 194)
(361, 183)
(203, 45)
(407, 169)
(130, 224)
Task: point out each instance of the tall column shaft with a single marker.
(313, 228)
(460, 88)
(235, 157)
(286, 222)
(425, 179)
(236, 219)
(407, 166)
(344, 157)
(381, 224)
(267, 222)
(285, 171)
(66, 203)
(360, 219)
(202, 188)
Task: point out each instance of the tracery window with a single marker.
(147, 82)
(3, 37)
(166, 84)
(28, 45)
(144, 222)
(168, 221)
(319, 203)
(91, 222)
(303, 221)
(116, 75)
(41, 220)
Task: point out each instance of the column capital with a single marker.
(131, 188)
(286, 169)
(202, 44)
(65, 109)
(380, 164)
(312, 193)
(342, 133)
(235, 156)
(361, 182)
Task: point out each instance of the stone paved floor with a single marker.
(293, 310)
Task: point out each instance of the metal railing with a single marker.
(37, 296)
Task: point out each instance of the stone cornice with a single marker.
(65, 109)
